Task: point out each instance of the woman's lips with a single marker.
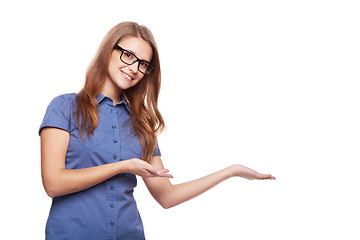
(127, 76)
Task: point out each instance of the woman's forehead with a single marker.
(137, 46)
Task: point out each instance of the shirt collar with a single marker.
(100, 97)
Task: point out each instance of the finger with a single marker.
(150, 172)
(147, 174)
(264, 176)
(163, 173)
(166, 176)
(160, 171)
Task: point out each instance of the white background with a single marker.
(273, 85)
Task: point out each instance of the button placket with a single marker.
(115, 128)
(111, 196)
(115, 156)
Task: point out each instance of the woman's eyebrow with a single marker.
(136, 55)
(131, 51)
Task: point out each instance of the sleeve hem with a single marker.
(61, 125)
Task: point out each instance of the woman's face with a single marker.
(122, 76)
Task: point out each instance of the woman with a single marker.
(94, 143)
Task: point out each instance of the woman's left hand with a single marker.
(238, 170)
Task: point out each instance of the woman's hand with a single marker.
(238, 170)
(143, 169)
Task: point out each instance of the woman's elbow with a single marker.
(52, 189)
(166, 203)
(165, 206)
(50, 193)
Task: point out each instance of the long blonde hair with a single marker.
(142, 98)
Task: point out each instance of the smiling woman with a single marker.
(94, 143)
(105, 73)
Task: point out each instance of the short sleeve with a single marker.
(157, 151)
(58, 113)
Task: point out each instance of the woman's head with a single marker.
(129, 63)
(109, 71)
(131, 33)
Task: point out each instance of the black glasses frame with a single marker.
(148, 70)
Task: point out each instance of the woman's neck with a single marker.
(111, 91)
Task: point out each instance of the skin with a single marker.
(59, 181)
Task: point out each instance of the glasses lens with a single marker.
(144, 67)
(128, 57)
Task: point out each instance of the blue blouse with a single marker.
(107, 210)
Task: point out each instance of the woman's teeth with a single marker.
(127, 76)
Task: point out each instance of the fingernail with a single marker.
(157, 172)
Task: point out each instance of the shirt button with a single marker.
(115, 141)
(112, 205)
(113, 126)
(114, 157)
(112, 223)
(112, 188)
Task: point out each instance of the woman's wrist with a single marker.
(229, 172)
(123, 166)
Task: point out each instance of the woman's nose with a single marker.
(134, 67)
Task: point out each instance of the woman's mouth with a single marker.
(127, 76)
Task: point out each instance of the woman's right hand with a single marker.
(143, 169)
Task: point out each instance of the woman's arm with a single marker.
(169, 195)
(58, 180)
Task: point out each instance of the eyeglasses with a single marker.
(129, 58)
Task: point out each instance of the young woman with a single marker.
(94, 143)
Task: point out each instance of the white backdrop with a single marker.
(273, 85)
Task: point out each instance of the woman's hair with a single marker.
(141, 99)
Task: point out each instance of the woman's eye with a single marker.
(128, 55)
(144, 64)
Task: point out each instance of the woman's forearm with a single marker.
(169, 195)
(66, 181)
(179, 193)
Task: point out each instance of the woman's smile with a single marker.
(127, 76)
